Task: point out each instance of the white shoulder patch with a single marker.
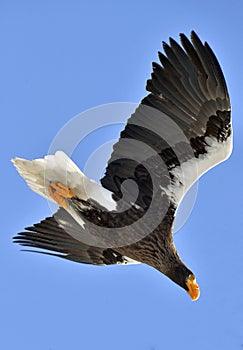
(189, 172)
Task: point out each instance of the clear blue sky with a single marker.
(59, 58)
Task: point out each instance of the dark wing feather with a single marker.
(55, 236)
(188, 88)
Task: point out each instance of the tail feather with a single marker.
(59, 167)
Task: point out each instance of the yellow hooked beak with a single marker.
(193, 288)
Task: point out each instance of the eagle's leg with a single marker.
(60, 193)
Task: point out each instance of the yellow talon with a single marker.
(60, 193)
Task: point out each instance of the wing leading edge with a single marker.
(185, 119)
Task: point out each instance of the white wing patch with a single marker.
(127, 260)
(189, 172)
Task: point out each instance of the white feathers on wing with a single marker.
(190, 171)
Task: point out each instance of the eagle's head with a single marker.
(181, 275)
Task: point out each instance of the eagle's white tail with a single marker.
(39, 173)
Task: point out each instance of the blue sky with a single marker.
(59, 58)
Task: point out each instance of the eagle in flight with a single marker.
(181, 129)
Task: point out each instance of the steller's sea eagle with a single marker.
(180, 130)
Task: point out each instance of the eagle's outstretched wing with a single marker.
(185, 120)
(62, 235)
